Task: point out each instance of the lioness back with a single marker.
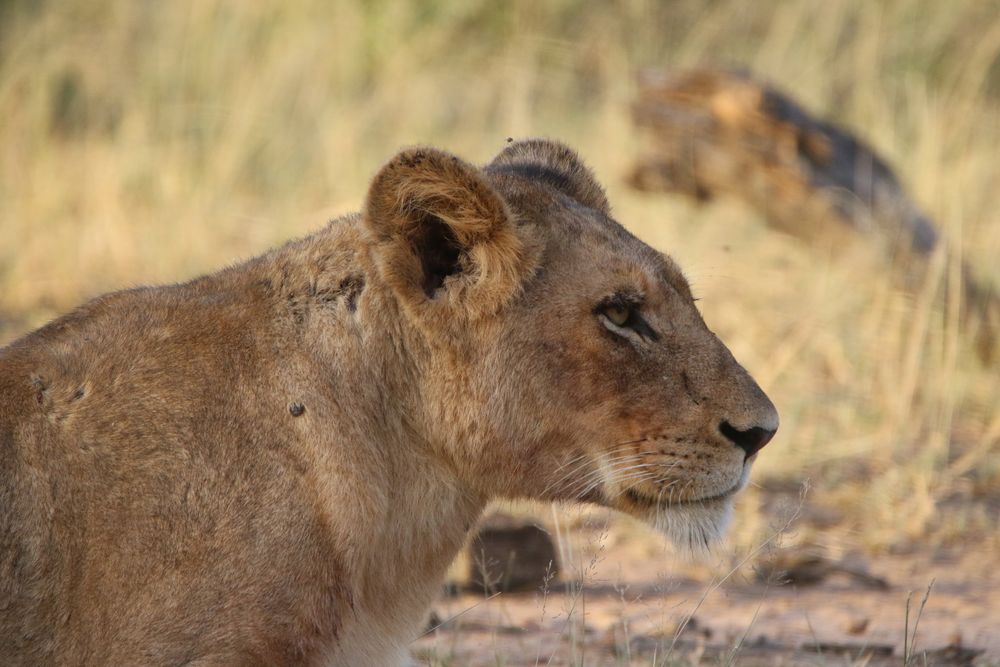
(160, 421)
(276, 463)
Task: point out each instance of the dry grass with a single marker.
(145, 142)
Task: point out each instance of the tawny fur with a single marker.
(276, 463)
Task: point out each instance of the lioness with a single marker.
(276, 463)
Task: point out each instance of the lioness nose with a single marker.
(751, 440)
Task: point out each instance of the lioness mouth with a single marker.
(640, 498)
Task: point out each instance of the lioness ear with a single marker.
(443, 235)
(556, 164)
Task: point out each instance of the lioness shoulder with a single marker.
(276, 463)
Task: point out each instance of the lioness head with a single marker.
(560, 357)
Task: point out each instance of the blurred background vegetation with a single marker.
(144, 142)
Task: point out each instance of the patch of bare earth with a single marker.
(628, 601)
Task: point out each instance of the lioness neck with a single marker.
(400, 555)
(396, 508)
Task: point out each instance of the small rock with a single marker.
(509, 555)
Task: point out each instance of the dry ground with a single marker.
(627, 600)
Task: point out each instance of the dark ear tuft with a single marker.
(557, 165)
(439, 252)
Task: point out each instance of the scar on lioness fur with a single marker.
(276, 463)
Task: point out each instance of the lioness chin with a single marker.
(276, 463)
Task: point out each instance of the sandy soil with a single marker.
(619, 606)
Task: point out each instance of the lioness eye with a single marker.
(620, 314)
(617, 314)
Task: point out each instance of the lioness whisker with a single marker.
(583, 462)
(588, 482)
(568, 474)
(645, 474)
